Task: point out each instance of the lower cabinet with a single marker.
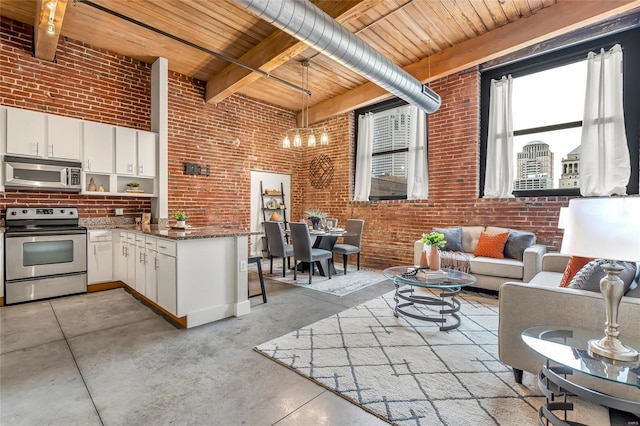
(167, 289)
(100, 257)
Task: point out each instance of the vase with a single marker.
(434, 259)
(92, 185)
(181, 223)
(424, 256)
(314, 222)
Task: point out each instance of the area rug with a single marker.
(338, 285)
(407, 372)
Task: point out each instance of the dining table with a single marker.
(325, 240)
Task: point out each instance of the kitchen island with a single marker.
(195, 276)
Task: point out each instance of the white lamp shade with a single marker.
(603, 228)
(563, 217)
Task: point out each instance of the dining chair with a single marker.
(277, 246)
(304, 252)
(350, 244)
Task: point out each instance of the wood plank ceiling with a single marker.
(429, 38)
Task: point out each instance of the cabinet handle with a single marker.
(123, 251)
(141, 169)
(130, 168)
(155, 263)
(163, 247)
(52, 152)
(94, 250)
(140, 257)
(88, 165)
(37, 148)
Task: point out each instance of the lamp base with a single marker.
(612, 348)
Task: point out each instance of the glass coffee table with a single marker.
(567, 347)
(446, 303)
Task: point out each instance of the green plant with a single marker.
(315, 213)
(180, 215)
(433, 239)
(133, 184)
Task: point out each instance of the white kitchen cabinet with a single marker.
(26, 132)
(151, 270)
(98, 147)
(166, 276)
(100, 257)
(2, 266)
(64, 135)
(126, 151)
(140, 263)
(119, 256)
(147, 153)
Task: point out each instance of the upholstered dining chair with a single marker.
(304, 252)
(350, 244)
(277, 246)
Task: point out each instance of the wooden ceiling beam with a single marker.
(275, 50)
(45, 41)
(550, 22)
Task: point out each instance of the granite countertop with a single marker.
(179, 234)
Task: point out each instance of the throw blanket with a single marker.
(456, 260)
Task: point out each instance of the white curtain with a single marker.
(364, 162)
(417, 181)
(498, 181)
(605, 167)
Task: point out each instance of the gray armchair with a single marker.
(304, 252)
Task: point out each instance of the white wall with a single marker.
(271, 181)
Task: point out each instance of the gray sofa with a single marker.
(491, 273)
(543, 302)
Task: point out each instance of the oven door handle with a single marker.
(40, 233)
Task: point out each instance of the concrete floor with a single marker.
(107, 358)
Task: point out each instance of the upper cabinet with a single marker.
(35, 134)
(136, 152)
(147, 153)
(125, 151)
(25, 132)
(64, 136)
(98, 147)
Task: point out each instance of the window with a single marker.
(548, 105)
(390, 150)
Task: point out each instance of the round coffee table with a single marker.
(448, 286)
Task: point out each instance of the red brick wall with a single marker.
(83, 83)
(391, 227)
(101, 86)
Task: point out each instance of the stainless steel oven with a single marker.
(45, 253)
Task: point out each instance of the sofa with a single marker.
(491, 273)
(542, 302)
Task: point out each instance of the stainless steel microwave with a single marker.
(41, 174)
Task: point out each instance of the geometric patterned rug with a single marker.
(407, 372)
(338, 285)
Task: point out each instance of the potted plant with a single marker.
(133, 187)
(432, 242)
(315, 216)
(180, 218)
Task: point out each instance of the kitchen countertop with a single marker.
(179, 234)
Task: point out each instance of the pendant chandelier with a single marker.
(307, 132)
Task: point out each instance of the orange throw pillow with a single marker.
(492, 245)
(573, 266)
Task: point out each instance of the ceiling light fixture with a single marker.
(51, 28)
(300, 131)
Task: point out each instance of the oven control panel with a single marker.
(41, 213)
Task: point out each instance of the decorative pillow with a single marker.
(517, 243)
(492, 245)
(573, 266)
(453, 237)
(588, 278)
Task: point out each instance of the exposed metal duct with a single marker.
(312, 26)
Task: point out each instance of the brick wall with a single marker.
(98, 85)
(391, 227)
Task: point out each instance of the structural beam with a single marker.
(274, 51)
(45, 39)
(550, 22)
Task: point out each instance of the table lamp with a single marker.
(606, 228)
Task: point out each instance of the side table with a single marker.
(567, 347)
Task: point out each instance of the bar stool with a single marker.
(263, 293)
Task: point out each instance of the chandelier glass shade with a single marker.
(305, 133)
